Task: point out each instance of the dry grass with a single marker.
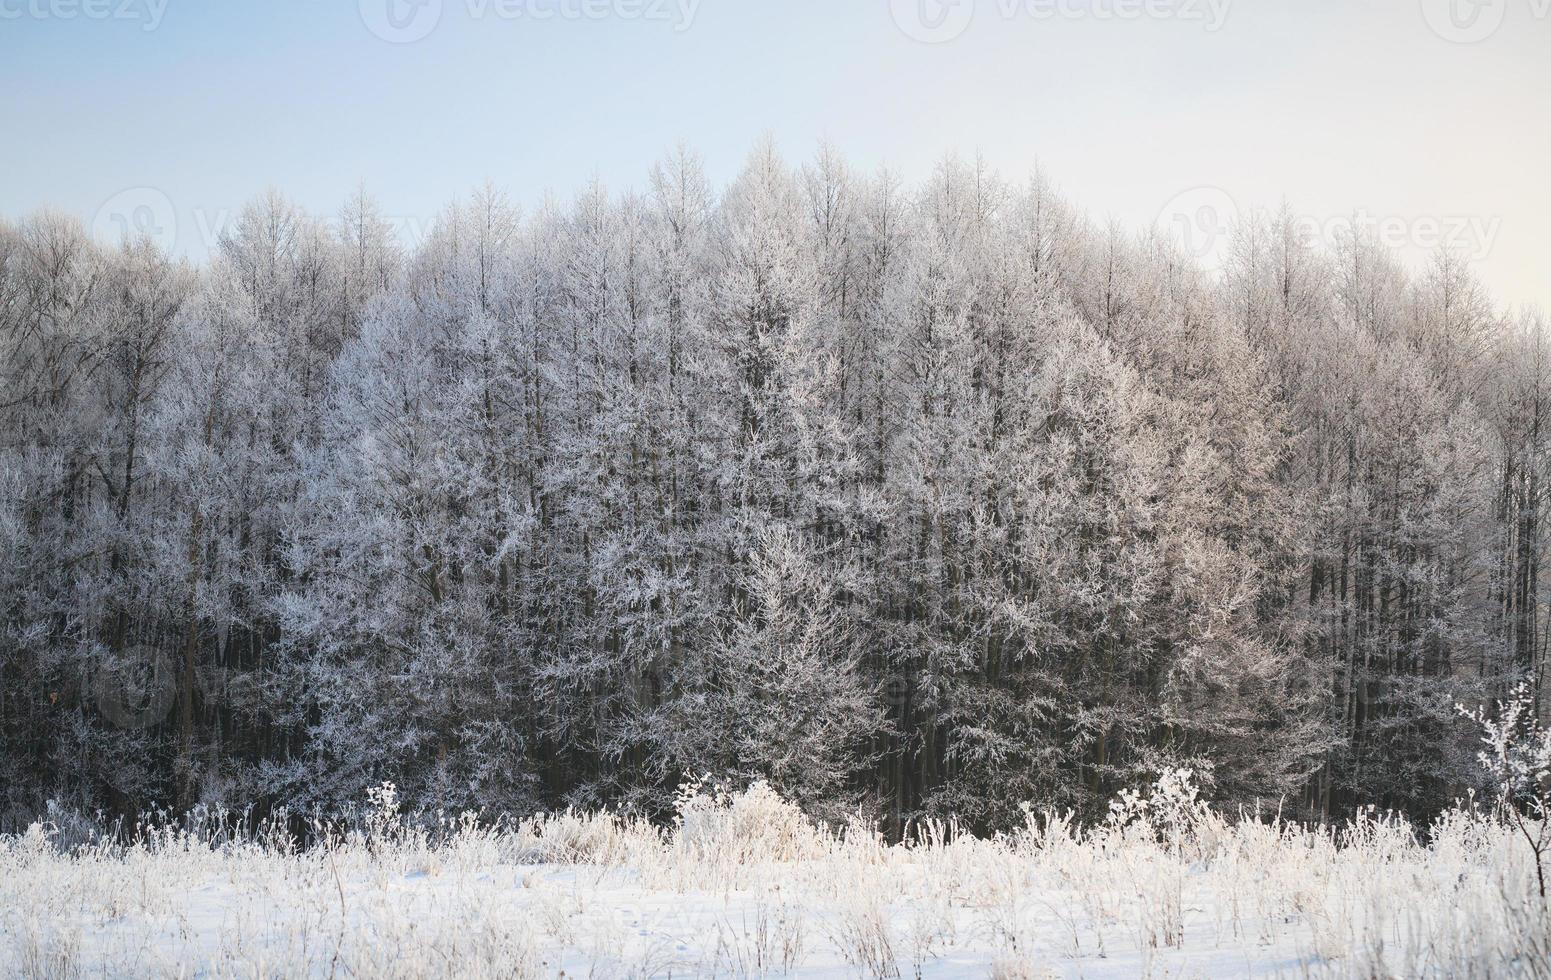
(743, 885)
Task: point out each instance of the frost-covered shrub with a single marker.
(605, 839)
(32, 846)
(1517, 761)
(719, 826)
(1171, 810)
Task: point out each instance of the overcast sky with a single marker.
(1428, 116)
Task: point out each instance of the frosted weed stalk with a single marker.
(742, 885)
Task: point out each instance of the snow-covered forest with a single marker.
(911, 501)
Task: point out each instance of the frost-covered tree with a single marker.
(928, 500)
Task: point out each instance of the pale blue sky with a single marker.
(1339, 105)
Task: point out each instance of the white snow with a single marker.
(743, 886)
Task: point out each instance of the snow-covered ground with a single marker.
(743, 886)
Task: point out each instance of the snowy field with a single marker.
(744, 886)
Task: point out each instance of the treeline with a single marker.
(925, 500)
